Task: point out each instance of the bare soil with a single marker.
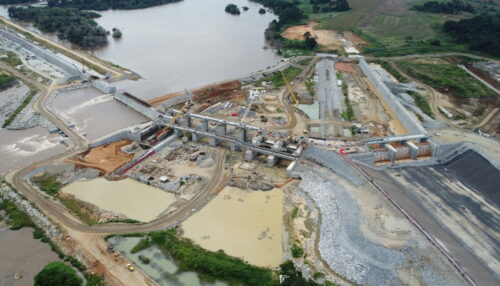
(328, 39)
(106, 158)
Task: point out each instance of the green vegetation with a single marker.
(76, 26)
(57, 274)
(480, 33)
(76, 208)
(20, 108)
(422, 103)
(297, 251)
(347, 115)
(318, 275)
(304, 62)
(17, 218)
(212, 265)
(101, 5)
(144, 259)
(344, 20)
(262, 11)
(446, 78)
(141, 245)
(232, 9)
(325, 6)
(47, 183)
(394, 72)
(293, 276)
(117, 34)
(295, 212)
(12, 59)
(277, 79)
(7, 81)
(453, 7)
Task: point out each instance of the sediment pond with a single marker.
(133, 199)
(161, 268)
(244, 224)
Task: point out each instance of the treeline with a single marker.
(453, 7)
(288, 13)
(101, 5)
(481, 33)
(71, 24)
(6, 2)
(325, 6)
(232, 9)
(7, 81)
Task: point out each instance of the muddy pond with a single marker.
(122, 197)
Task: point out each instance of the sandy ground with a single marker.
(21, 253)
(326, 38)
(106, 157)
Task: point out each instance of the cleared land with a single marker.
(106, 158)
(347, 20)
(326, 38)
(446, 78)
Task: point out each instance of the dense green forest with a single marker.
(232, 9)
(288, 12)
(453, 7)
(108, 4)
(325, 6)
(5, 2)
(57, 274)
(76, 26)
(481, 33)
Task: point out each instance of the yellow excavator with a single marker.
(292, 94)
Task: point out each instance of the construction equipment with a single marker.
(290, 89)
(183, 110)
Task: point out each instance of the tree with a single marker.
(262, 11)
(117, 33)
(311, 42)
(232, 9)
(57, 274)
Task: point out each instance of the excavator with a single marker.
(292, 93)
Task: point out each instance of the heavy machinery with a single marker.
(290, 89)
(183, 110)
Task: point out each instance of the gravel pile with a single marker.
(333, 162)
(342, 244)
(38, 218)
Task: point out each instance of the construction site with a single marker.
(327, 154)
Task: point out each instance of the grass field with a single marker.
(446, 78)
(346, 20)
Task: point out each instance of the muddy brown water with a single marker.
(21, 253)
(244, 224)
(122, 197)
(184, 45)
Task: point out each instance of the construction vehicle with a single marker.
(183, 110)
(129, 267)
(290, 89)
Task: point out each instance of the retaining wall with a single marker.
(409, 121)
(137, 106)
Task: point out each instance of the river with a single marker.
(185, 45)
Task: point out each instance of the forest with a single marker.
(453, 7)
(101, 5)
(71, 24)
(325, 6)
(481, 33)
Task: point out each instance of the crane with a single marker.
(183, 110)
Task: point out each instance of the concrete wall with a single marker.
(119, 135)
(103, 86)
(409, 121)
(173, 101)
(130, 102)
